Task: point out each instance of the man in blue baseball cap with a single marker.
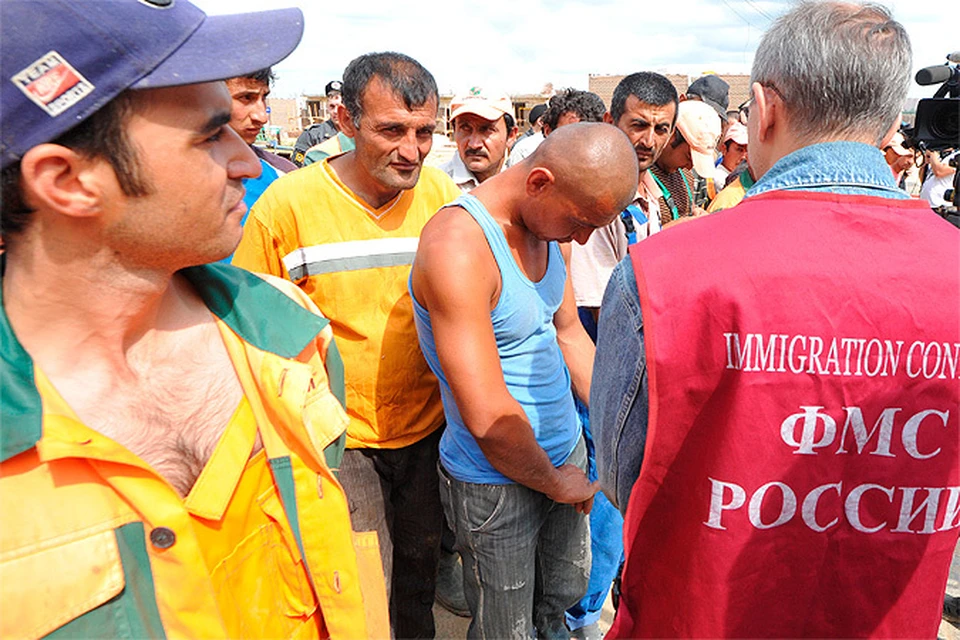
(167, 449)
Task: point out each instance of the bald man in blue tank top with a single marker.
(498, 325)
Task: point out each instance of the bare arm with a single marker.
(575, 344)
(455, 277)
(940, 169)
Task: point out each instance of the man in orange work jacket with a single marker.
(169, 450)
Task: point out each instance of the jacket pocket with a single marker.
(263, 579)
(94, 586)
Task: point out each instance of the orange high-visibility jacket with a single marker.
(94, 543)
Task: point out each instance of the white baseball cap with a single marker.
(489, 106)
(700, 127)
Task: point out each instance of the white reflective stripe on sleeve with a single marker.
(350, 256)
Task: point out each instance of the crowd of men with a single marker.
(248, 397)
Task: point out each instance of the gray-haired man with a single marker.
(785, 412)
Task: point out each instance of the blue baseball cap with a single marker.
(62, 60)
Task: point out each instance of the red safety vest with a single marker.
(801, 471)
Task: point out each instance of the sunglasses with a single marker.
(743, 111)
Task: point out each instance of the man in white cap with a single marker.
(734, 185)
(691, 147)
(484, 129)
(734, 147)
(898, 157)
(169, 428)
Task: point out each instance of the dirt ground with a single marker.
(450, 627)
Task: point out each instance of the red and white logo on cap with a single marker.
(53, 84)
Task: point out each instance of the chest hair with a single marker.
(171, 413)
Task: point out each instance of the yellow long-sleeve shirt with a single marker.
(354, 263)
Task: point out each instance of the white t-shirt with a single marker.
(934, 187)
(524, 147)
(720, 176)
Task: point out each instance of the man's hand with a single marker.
(574, 488)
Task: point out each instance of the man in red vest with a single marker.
(781, 422)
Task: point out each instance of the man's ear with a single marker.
(512, 136)
(608, 118)
(539, 181)
(769, 111)
(345, 120)
(57, 178)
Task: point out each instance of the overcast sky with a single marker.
(518, 47)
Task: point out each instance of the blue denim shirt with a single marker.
(839, 167)
(619, 401)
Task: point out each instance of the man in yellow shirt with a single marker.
(345, 230)
(168, 450)
(732, 194)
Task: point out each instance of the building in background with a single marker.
(283, 125)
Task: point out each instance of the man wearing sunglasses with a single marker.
(782, 419)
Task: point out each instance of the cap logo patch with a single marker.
(53, 84)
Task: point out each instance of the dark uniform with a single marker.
(317, 133)
(311, 136)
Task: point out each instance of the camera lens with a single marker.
(945, 123)
(938, 122)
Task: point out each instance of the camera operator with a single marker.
(937, 177)
(937, 123)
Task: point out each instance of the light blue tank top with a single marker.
(533, 366)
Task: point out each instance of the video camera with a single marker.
(938, 118)
(937, 124)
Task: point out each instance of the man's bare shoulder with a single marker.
(452, 251)
(452, 234)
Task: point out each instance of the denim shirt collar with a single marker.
(852, 168)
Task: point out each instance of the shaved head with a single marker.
(594, 165)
